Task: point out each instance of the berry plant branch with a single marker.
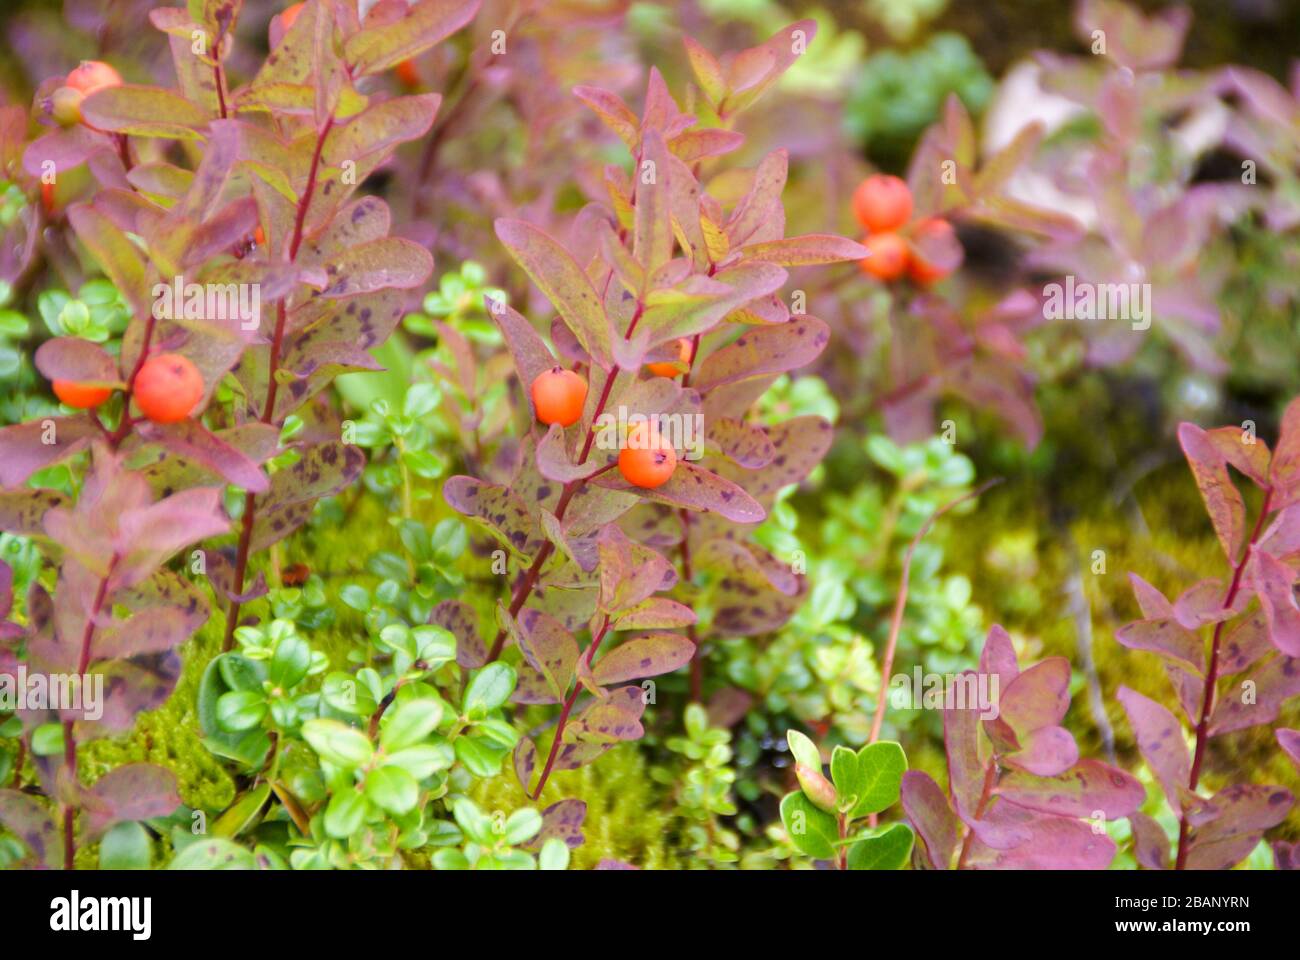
(272, 384)
(1212, 676)
(571, 488)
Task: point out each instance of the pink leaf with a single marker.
(137, 791)
(1086, 789)
(192, 441)
(1274, 582)
(1222, 498)
(928, 810)
(695, 488)
(77, 360)
(1160, 738)
(1167, 638)
(645, 656)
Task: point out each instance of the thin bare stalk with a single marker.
(568, 708)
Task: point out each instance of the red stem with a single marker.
(526, 585)
(1212, 678)
(568, 708)
(990, 781)
(69, 737)
(272, 385)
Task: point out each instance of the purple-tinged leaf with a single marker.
(603, 725)
(525, 760)
(554, 271)
(148, 536)
(814, 248)
(1202, 603)
(28, 447)
(1256, 696)
(1274, 583)
(32, 824)
(707, 70)
(22, 512)
(546, 645)
(1084, 790)
(645, 656)
(561, 821)
(1160, 738)
(1222, 498)
(192, 441)
(389, 262)
(695, 488)
(746, 444)
(1051, 843)
(77, 360)
(1167, 638)
(656, 613)
(1286, 856)
(382, 127)
(1243, 808)
(749, 73)
(928, 811)
(749, 599)
(1284, 473)
(459, 618)
(553, 461)
(694, 145)
(1244, 643)
(1154, 604)
(137, 791)
(1150, 842)
(764, 350)
(1038, 697)
(66, 148)
(1289, 740)
(150, 631)
(652, 235)
(499, 508)
(323, 470)
(961, 739)
(608, 863)
(379, 46)
(1046, 751)
(144, 112)
(1221, 854)
(1244, 451)
(124, 264)
(999, 657)
(530, 353)
(613, 112)
(630, 572)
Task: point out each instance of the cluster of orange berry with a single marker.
(167, 388)
(883, 205)
(647, 459)
(90, 76)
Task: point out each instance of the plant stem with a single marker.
(272, 386)
(990, 781)
(69, 734)
(900, 601)
(1211, 680)
(568, 708)
(525, 588)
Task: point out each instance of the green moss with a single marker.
(626, 819)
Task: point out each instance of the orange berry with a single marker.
(259, 236)
(81, 396)
(47, 198)
(558, 396)
(167, 388)
(888, 256)
(92, 75)
(671, 370)
(647, 460)
(882, 202)
(918, 269)
(65, 106)
(408, 74)
(290, 15)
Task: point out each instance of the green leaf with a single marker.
(345, 813)
(522, 825)
(124, 847)
(144, 112)
(803, 749)
(290, 662)
(409, 724)
(240, 710)
(375, 49)
(338, 743)
(845, 774)
(880, 773)
(473, 821)
(243, 814)
(554, 855)
(490, 688)
(393, 789)
(888, 851)
(213, 854)
(423, 760)
(812, 831)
